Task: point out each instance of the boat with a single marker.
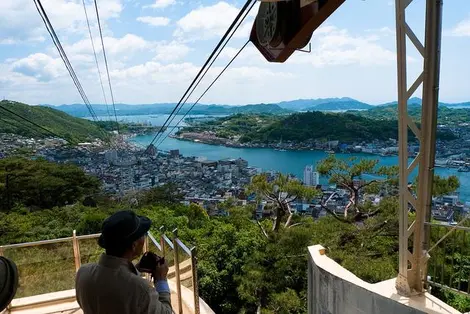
(280, 149)
(330, 151)
(464, 169)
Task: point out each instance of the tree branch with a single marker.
(296, 224)
(262, 229)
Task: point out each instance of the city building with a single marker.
(311, 177)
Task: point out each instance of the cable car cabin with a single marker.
(281, 27)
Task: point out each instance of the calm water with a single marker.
(268, 159)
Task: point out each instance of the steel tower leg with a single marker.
(412, 263)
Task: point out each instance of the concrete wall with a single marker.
(334, 290)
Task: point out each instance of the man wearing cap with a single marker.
(113, 285)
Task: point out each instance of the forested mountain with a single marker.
(70, 128)
(301, 127)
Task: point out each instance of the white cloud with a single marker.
(462, 29)
(161, 4)
(40, 66)
(127, 44)
(332, 46)
(210, 21)
(172, 51)
(20, 21)
(154, 20)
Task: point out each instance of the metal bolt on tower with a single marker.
(413, 236)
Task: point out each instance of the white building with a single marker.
(311, 177)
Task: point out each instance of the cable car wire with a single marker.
(207, 89)
(229, 30)
(106, 63)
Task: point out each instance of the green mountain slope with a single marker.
(390, 112)
(302, 127)
(341, 105)
(68, 127)
(316, 125)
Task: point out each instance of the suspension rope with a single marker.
(63, 55)
(106, 63)
(33, 123)
(96, 59)
(206, 70)
(229, 30)
(207, 89)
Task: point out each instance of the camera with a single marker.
(149, 262)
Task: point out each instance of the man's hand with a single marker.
(161, 271)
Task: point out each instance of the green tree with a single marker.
(281, 191)
(166, 194)
(350, 174)
(42, 184)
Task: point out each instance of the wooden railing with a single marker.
(174, 250)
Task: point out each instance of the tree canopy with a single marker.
(42, 184)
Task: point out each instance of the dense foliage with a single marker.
(42, 184)
(233, 126)
(447, 116)
(302, 127)
(240, 270)
(68, 127)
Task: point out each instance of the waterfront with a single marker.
(269, 159)
(285, 161)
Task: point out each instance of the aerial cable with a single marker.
(96, 59)
(235, 21)
(63, 56)
(207, 89)
(181, 103)
(106, 63)
(207, 69)
(68, 65)
(34, 123)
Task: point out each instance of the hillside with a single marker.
(70, 128)
(166, 108)
(446, 115)
(344, 103)
(341, 105)
(316, 125)
(298, 128)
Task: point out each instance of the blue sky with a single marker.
(156, 47)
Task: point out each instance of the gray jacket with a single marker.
(113, 286)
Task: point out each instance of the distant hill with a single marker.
(284, 107)
(445, 114)
(78, 110)
(301, 127)
(419, 101)
(68, 127)
(341, 105)
(344, 103)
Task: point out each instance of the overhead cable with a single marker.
(206, 70)
(229, 30)
(33, 123)
(96, 59)
(106, 63)
(207, 89)
(64, 57)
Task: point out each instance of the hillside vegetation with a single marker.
(390, 112)
(122, 109)
(68, 127)
(301, 127)
(240, 270)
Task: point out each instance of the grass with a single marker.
(50, 267)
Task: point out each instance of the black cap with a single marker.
(8, 282)
(123, 228)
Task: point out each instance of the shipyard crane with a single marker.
(281, 27)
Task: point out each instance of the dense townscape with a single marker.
(125, 169)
